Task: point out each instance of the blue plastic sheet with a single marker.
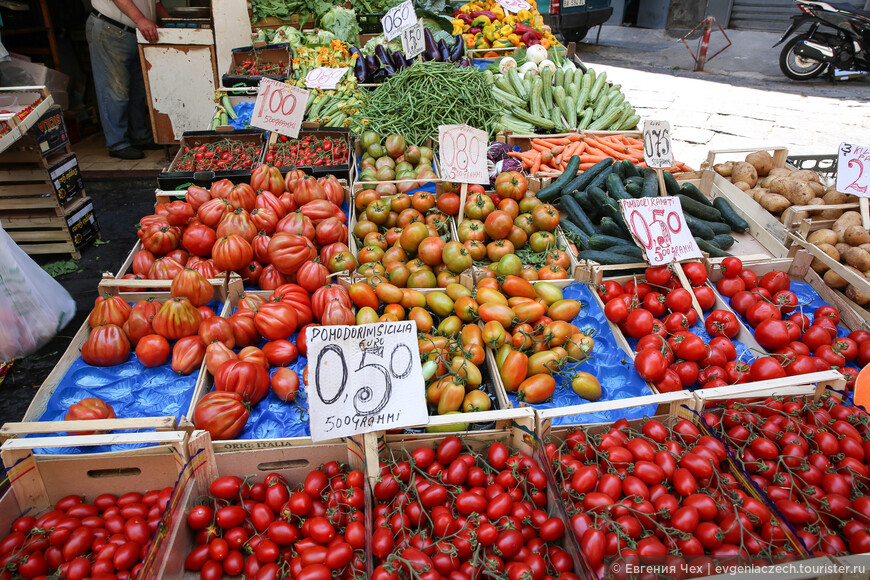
(132, 390)
(243, 110)
(609, 364)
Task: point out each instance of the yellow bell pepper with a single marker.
(523, 15)
(498, 11)
(502, 44)
(458, 26)
(514, 39)
(480, 42)
(505, 30)
(489, 32)
(537, 21)
(481, 21)
(469, 40)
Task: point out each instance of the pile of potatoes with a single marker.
(778, 188)
(846, 242)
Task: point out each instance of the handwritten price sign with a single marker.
(462, 152)
(398, 19)
(659, 228)
(279, 107)
(324, 77)
(365, 378)
(853, 170)
(412, 40)
(514, 5)
(657, 144)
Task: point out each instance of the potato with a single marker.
(857, 258)
(834, 280)
(842, 247)
(865, 247)
(824, 236)
(806, 175)
(819, 266)
(818, 202)
(857, 296)
(818, 189)
(831, 214)
(774, 203)
(761, 161)
(758, 193)
(833, 197)
(724, 169)
(849, 218)
(743, 171)
(742, 185)
(779, 172)
(797, 192)
(856, 235)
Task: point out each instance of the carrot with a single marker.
(611, 151)
(587, 158)
(540, 146)
(536, 164)
(553, 141)
(574, 137)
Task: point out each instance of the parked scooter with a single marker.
(838, 39)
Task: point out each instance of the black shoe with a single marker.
(127, 153)
(147, 146)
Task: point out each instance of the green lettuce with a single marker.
(342, 23)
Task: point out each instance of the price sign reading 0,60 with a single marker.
(462, 152)
(659, 227)
(279, 107)
(399, 18)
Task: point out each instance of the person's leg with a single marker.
(111, 80)
(140, 121)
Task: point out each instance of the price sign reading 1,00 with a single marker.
(279, 102)
(279, 107)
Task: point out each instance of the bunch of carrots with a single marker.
(549, 155)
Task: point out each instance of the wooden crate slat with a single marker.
(54, 248)
(21, 236)
(19, 203)
(27, 189)
(35, 173)
(32, 221)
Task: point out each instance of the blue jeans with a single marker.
(119, 83)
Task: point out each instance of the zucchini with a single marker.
(605, 257)
(629, 170)
(552, 192)
(517, 84)
(714, 252)
(507, 97)
(570, 112)
(585, 119)
(600, 105)
(577, 215)
(504, 84)
(611, 228)
(630, 251)
(604, 242)
(525, 116)
(547, 82)
(597, 86)
(699, 228)
(614, 186)
(729, 216)
(559, 98)
(597, 195)
(585, 88)
(606, 120)
(559, 77)
(634, 189)
(627, 111)
(528, 81)
(693, 192)
(556, 117)
(671, 184)
(723, 241)
(650, 183)
(535, 106)
(699, 210)
(629, 123)
(568, 79)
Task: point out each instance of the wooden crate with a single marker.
(208, 462)
(55, 230)
(19, 127)
(38, 405)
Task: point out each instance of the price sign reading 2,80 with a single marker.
(659, 227)
(365, 378)
(462, 152)
(279, 107)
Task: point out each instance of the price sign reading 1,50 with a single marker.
(279, 107)
(398, 19)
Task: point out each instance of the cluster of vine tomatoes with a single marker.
(106, 539)
(462, 513)
(781, 327)
(272, 529)
(812, 459)
(659, 493)
(273, 231)
(224, 155)
(309, 151)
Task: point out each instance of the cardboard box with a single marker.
(50, 131)
(66, 177)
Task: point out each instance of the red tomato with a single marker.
(731, 267)
(728, 287)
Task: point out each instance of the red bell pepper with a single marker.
(491, 15)
(524, 28)
(531, 39)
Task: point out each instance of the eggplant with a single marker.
(400, 61)
(458, 48)
(380, 76)
(389, 69)
(372, 65)
(432, 52)
(443, 50)
(383, 55)
(359, 67)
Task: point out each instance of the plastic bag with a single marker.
(34, 307)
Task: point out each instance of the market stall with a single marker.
(441, 305)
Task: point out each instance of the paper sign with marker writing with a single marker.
(514, 5)
(853, 170)
(398, 19)
(279, 107)
(462, 152)
(412, 40)
(364, 378)
(659, 228)
(324, 77)
(657, 144)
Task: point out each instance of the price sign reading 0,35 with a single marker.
(279, 107)
(659, 227)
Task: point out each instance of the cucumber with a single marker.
(597, 86)
(604, 242)
(629, 170)
(737, 223)
(574, 232)
(636, 179)
(671, 184)
(723, 241)
(582, 181)
(650, 183)
(714, 252)
(634, 189)
(617, 170)
(611, 209)
(599, 179)
(693, 192)
(554, 190)
(718, 228)
(597, 195)
(547, 81)
(630, 251)
(615, 187)
(585, 119)
(577, 215)
(611, 228)
(590, 208)
(699, 210)
(699, 228)
(605, 257)
(517, 84)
